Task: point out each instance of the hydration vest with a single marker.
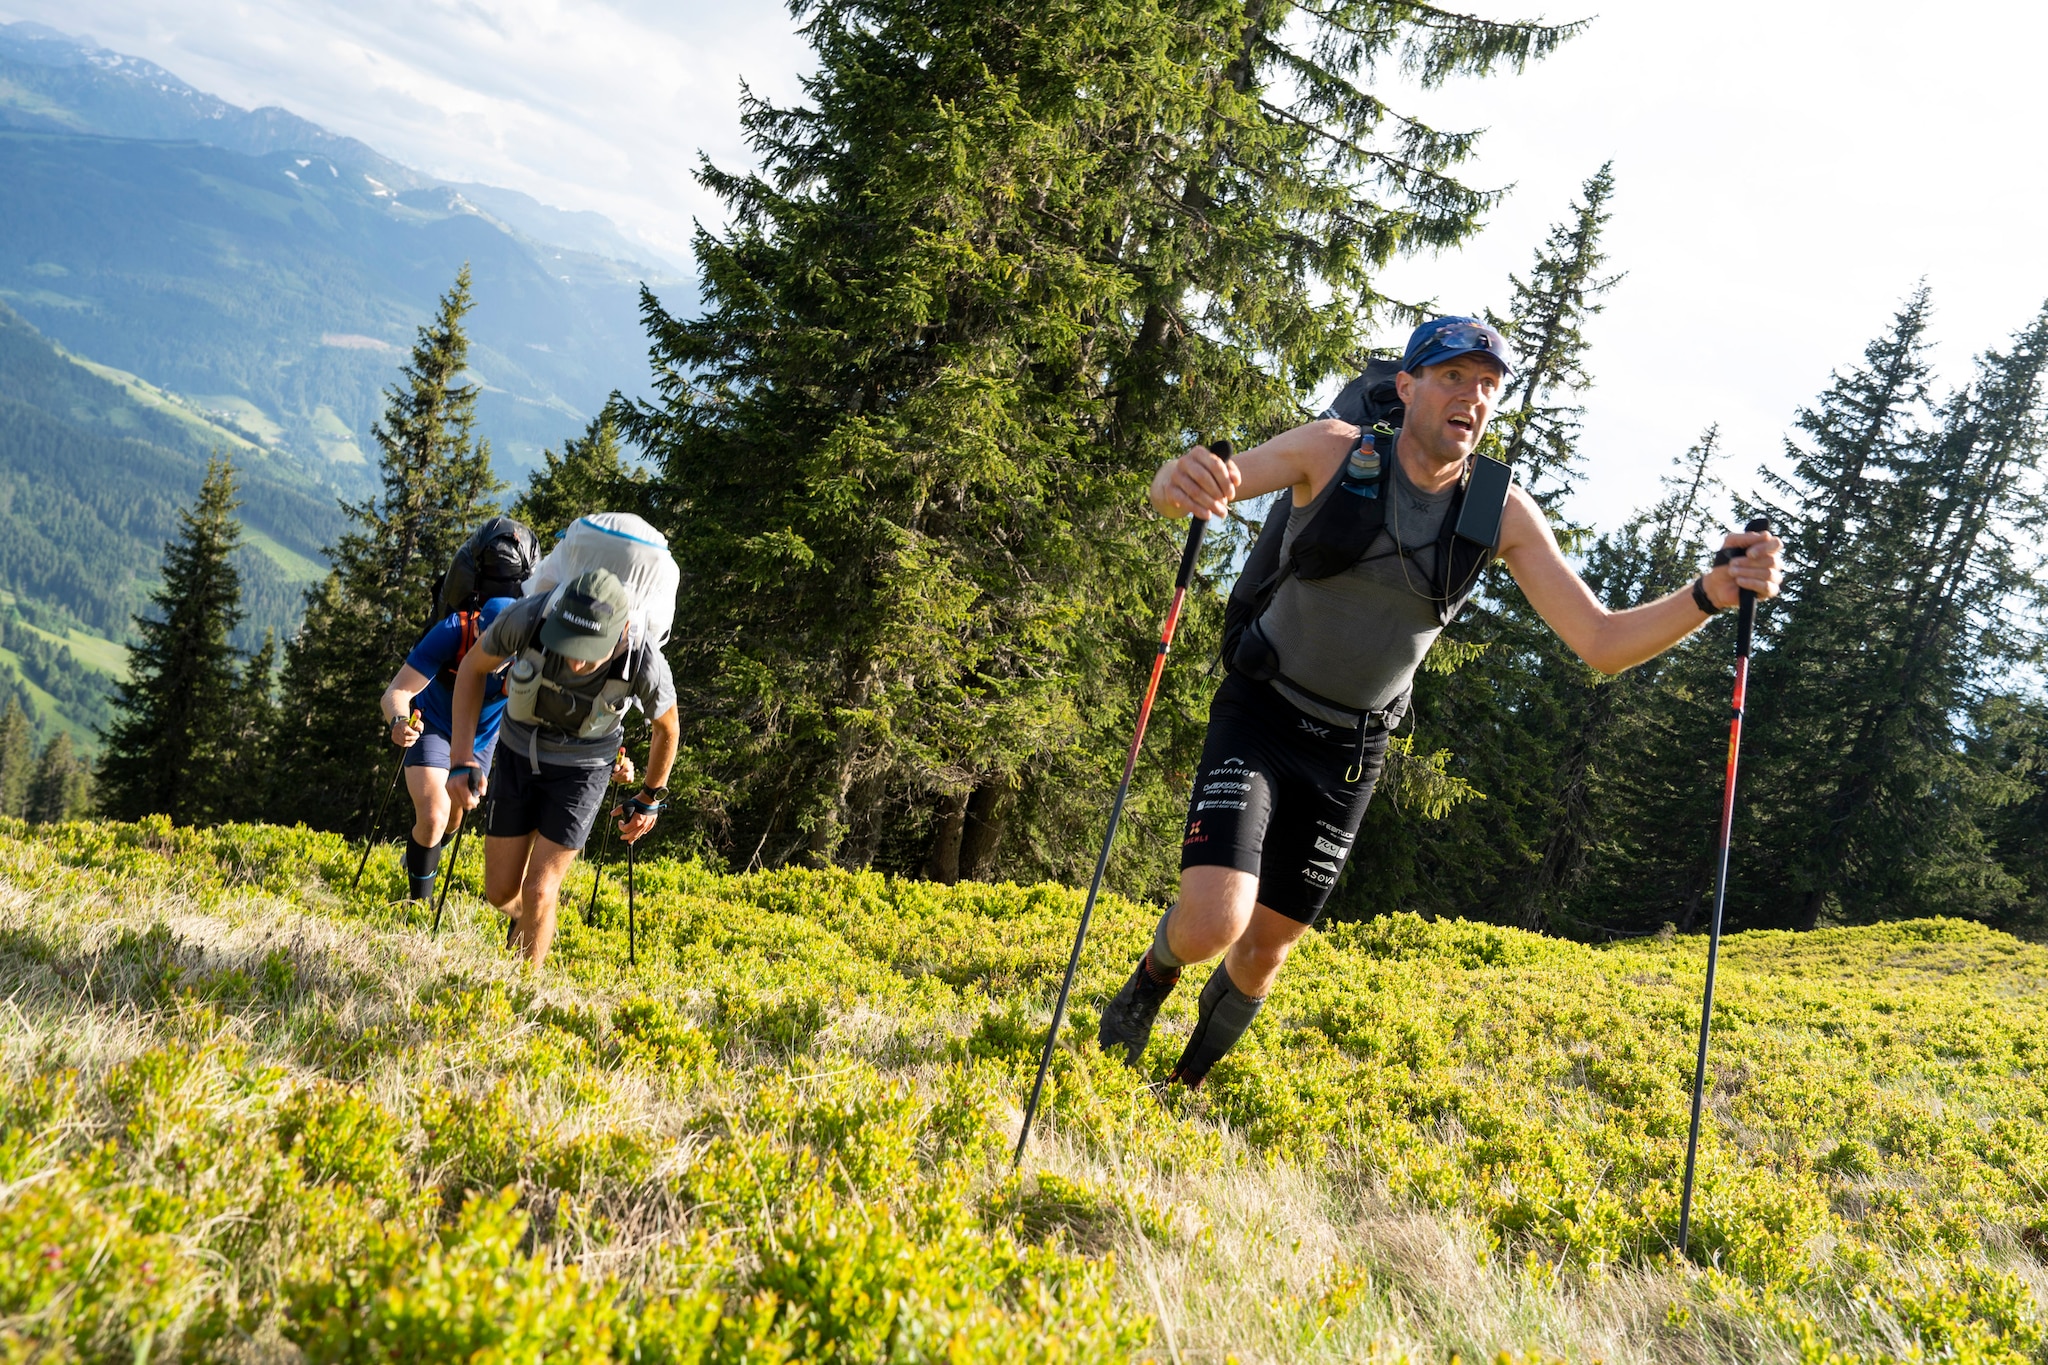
(1338, 536)
(536, 700)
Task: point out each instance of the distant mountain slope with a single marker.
(90, 486)
(52, 82)
(276, 276)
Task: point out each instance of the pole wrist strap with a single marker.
(1700, 598)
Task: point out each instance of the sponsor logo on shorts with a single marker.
(1338, 830)
(1319, 878)
(1195, 835)
(1334, 850)
(1219, 805)
(1319, 731)
(1327, 867)
(1231, 763)
(1227, 787)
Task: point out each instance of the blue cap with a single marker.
(1441, 338)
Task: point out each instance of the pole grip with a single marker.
(1745, 612)
(1198, 528)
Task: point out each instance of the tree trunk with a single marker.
(988, 813)
(944, 864)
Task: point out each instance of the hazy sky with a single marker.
(1787, 171)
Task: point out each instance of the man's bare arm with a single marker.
(1203, 483)
(469, 704)
(1615, 640)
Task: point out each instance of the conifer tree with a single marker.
(1876, 800)
(61, 788)
(251, 731)
(588, 476)
(999, 264)
(377, 599)
(17, 758)
(166, 749)
(1537, 422)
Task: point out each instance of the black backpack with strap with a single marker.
(1350, 520)
(495, 561)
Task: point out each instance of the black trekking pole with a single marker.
(378, 818)
(455, 861)
(1193, 551)
(1745, 624)
(632, 865)
(604, 849)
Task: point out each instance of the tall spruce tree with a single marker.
(1000, 264)
(1537, 420)
(588, 476)
(1874, 666)
(17, 758)
(378, 598)
(62, 786)
(168, 748)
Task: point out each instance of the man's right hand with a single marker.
(466, 785)
(406, 730)
(1200, 483)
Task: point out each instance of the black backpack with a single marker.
(495, 561)
(1350, 520)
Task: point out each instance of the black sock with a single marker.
(421, 863)
(1220, 1020)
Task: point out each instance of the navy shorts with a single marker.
(1271, 797)
(431, 751)
(559, 803)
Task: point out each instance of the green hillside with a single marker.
(284, 288)
(245, 1111)
(93, 472)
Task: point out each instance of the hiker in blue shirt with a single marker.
(417, 705)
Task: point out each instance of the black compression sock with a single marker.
(1222, 1017)
(421, 863)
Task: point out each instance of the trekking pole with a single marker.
(632, 865)
(1745, 624)
(378, 818)
(454, 861)
(604, 849)
(1198, 527)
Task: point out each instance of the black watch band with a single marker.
(1700, 598)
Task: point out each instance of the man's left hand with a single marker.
(1753, 565)
(634, 820)
(622, 769)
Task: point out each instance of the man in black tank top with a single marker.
(1289, 763)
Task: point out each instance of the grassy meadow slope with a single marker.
(249, 1116)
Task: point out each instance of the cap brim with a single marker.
(1429, 358)
(570, 643)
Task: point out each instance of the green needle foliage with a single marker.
(998, 265)
(378, 598)
(1920, 538)
(170, 750)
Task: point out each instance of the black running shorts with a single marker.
(1270, 797)
(560, 803)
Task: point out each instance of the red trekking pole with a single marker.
(1188, 556)
(1745, 625)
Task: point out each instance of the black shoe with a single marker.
(1127, 1018)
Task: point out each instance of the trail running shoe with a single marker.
(1127, 1018)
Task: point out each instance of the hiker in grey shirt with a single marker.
(1373, 560)
(573, 671)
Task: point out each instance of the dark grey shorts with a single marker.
(561, 804)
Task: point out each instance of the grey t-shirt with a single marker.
(640, 664)
(1357, 637)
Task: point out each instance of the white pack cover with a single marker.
(630, 548)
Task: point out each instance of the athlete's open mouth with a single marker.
(1461, 423)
